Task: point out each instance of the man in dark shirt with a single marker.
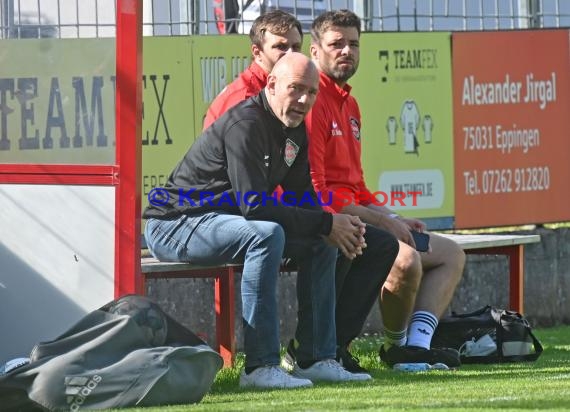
(218, 207)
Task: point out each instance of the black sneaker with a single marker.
(413, 354)
(348, 361)
(289, 360)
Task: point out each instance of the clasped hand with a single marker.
(347, 234)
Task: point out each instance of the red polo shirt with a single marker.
(249, 83)
(333, 127)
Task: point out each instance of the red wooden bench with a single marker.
(511, 246)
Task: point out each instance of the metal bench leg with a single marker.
(516, 274)
(224, 300)
(515, 255)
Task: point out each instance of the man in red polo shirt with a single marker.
(420, 286)
(272, 35)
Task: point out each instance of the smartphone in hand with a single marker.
(422, 241)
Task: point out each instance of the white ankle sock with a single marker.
(420, 331)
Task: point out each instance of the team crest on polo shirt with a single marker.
(355, 128)
(291, 150)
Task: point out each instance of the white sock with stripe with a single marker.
(420, 331)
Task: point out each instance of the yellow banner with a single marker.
(182, 75)
(403, 86)
(57, 101)
(217, 61)
(54, 111)
(167, 129)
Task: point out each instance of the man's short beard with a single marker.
(343, 75)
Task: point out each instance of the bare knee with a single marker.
(446, 257)
(455, 260)
(408, 261)
(407, 268)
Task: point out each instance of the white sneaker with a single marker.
(329, 370)
(269, 377)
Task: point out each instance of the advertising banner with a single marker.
(168, 126)
(511, 122)
(217, 61)
(57, 101)
(403, 86)
(182, 75)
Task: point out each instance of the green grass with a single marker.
(544, 384)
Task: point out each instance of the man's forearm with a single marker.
(367, 214)
(383, 209)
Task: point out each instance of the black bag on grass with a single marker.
(127, 353)
(488, 335)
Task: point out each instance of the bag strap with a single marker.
(535, 342)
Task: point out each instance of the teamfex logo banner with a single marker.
(57, 101)
(511, 95)
(403, 86)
